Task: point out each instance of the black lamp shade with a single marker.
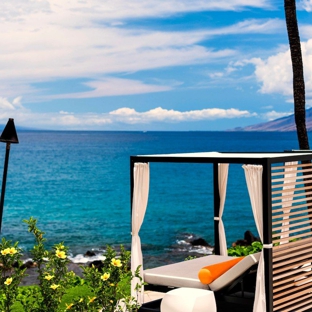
(9, 134)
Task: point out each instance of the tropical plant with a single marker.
(238, 251)
(11, 273)
(107, 286)
(54, 278)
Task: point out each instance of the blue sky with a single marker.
(148, 65)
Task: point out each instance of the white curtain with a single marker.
(253, 174)
(139, 204)
(290, 175)
(223, 170)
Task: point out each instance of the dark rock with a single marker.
(249, 238)
(199, 242)
(97, 264)
(89, 254)
(28, 264)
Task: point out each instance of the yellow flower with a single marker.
(105, 276)
(116, 262)
(69, 306)
(12, 251)
(60, 254)
(91, 299)
(9, 251)
(81, 299)
(6, 251)
(54, 286)
(112, 284)
(49, 277)
(8, 281)
(61, 247)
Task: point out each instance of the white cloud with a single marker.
(6, 105)
(158, 114)
(305, 5)
(12, 109)
(123, 9)
(249, 26)
(305, 32)
(19, 8)
(111, 87)
(125, 116)
(275, 72)
(55, 51)
(216, 75)
(50, 39)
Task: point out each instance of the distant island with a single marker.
(281, 124)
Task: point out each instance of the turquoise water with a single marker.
(77, 185)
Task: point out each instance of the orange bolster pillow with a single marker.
(210, 272)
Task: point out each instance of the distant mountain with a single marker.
(281, 124)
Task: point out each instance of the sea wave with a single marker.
(82, 259)
(185, 246)
(77, 259)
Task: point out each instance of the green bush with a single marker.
(107, 288)
(239, 251)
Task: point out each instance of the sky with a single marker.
(144, 65)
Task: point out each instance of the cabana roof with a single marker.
(220, 157)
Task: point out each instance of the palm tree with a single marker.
(297, 68)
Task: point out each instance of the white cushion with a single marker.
(188, 300)
(181, 274)
(185, 273)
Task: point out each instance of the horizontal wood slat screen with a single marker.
(298, 171)
(294, 196)
(292, 237)
(293, 189)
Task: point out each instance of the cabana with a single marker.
(279, 187)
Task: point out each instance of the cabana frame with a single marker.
(267, 161)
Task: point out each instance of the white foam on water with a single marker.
(202, 250)
(80, 258)
(182, 242)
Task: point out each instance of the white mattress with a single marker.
(181, 274)
(185, 273)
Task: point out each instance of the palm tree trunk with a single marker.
(297, 68)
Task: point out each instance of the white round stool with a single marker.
(188, 300)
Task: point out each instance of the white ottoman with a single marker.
(188, 300)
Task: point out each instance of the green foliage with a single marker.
(11, 273)
(239, 251)
(54, 277)
(107, 285)
(104, 289)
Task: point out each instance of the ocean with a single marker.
(77, 185)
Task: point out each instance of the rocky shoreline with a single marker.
(196, 246)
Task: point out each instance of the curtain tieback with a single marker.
(216, 218)
(267, 246)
